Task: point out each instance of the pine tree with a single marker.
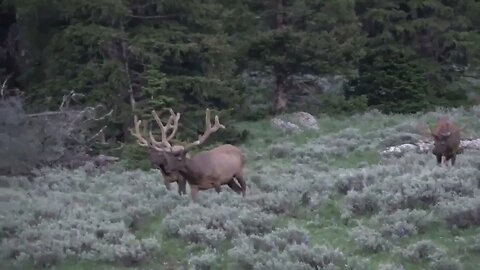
(190, 51)
(150, 54)
(391, 81)
(437, 33)
(296, 37)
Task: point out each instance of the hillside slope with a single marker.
(323, 198)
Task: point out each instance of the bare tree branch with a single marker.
(45, 114)
(4, 85)
(97, 134)
(153, 17)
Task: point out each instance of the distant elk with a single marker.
(155, 150)
(446, 138)
(213, 168)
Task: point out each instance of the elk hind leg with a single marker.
(241, 181)
(234, 186)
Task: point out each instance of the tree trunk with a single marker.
(280, 76)
(280, 93)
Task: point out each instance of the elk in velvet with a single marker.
(207, 169)
(155, 150)
(446, 138)
(211, 168)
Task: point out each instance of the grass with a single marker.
(325, 225)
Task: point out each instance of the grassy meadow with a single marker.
(322, 199)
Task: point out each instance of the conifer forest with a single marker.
(240, 134)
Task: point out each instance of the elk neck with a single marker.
(191, 170)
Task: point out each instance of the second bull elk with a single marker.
(206, 169)
(446, 138)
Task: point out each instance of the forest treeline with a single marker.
(246, 59)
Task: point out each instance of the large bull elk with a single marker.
(446, 138)
(155, 149)
(211, 168)
(206, 169)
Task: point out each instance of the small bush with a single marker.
(461, 213)
(361, 203)
(403, 223)
(423, 250)
(287, 248)
(390, 266)
(368, 239)
(204, 261)
(446, 263)
(211, 225)
(475, 246)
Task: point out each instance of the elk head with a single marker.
(156, 149)
(176, 160)
(446, 138)
(444, 130)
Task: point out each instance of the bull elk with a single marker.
(446, 138)
(206, 169)
(155, 150)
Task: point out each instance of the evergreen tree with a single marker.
(391, 81)
(149, 54)
(437, 33)
(295, 37)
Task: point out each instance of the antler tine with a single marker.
(136, 133)
(208, 129)
(175, 118)
(164, 128)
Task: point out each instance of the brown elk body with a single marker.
(205, 170)
(446, 138)
(210, 169)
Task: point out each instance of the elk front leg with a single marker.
(166, 179)
(217, 187)
(439, 160)
(447, 158)
(454, 158)
(167, 183)
(182, 186)
(451, 157)
(194, 192)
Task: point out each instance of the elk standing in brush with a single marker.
(155, 151)
(207, 169)
(446, 138)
